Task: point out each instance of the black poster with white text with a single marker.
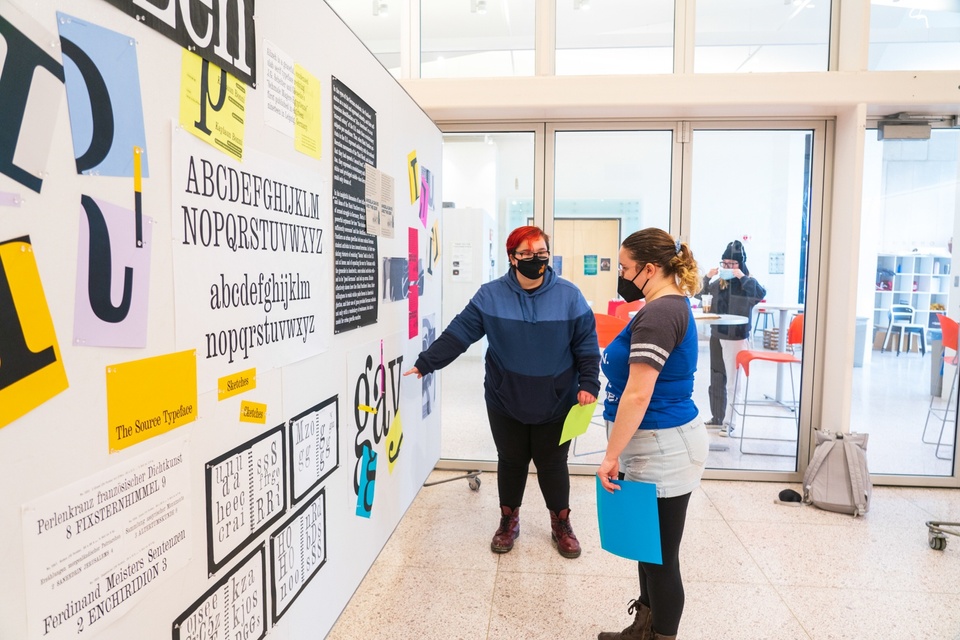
(354, 250)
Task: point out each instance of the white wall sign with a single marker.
(250, 260)
(314, 446)
(233, 609)
(95, 548)
(297, 552)
(278, 85)
(245, 494)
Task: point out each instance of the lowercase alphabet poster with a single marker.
(250, 264)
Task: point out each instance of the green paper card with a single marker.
(578, 419)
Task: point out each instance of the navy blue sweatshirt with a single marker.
(542, 346)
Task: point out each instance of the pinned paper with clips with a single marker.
(629, 521)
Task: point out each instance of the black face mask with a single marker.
(628, 289)
(533, 268)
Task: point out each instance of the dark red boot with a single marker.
(562, 534)
(508, 531)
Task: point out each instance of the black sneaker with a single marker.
(713, 422)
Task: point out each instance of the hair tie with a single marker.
(678, 246)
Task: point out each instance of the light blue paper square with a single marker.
(629, 521)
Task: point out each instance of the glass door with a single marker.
(751, 213)
(491, 182)
(605, 184)
(758, 184)
(905, 370)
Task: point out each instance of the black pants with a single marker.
(518, 444)
(661, 587)
(717, 391)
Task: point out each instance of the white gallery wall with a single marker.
(205, 312)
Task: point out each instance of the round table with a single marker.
(727, 319)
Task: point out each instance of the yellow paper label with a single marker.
(306, 112)
(435, 243)
(413, 175)
(31, 369)
(236, 383)
(212, 104)
(253, 412)
(394, 439)
(149, 397)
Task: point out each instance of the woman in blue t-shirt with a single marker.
(655, 433)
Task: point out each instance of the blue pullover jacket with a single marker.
(542, 346)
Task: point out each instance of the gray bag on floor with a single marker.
(837, 478)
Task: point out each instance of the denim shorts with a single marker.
(673, 459)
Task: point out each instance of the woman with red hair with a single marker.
(542, 358)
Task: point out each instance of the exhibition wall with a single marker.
(219, 251)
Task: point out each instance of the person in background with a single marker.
(734, 292)
(542, 358)
(655, 433)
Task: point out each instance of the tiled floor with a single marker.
(752, 569)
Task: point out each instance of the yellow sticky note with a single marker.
(413, 175)
(255, 412)
(435, 243)
(236, 383)
(31, 369)
(577, 421)
(212, 104)
(394, 440)
(306, 112)
(148, 397)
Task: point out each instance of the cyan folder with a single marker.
(629, 521)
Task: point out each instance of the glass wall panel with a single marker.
(914, 35)
(476, 38)
(904, 381)
(488, 190)
(377, 24)
(604, 38)
(751, 187)
(752, 36)
(606, 185)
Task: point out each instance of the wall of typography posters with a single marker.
(215, 231)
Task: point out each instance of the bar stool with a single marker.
(947, 413)
(769, 319)
(744, 359)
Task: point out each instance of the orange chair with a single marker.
(744, 360)
(624, 310)
(949, 330)
(608, 327)
(795, 333)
